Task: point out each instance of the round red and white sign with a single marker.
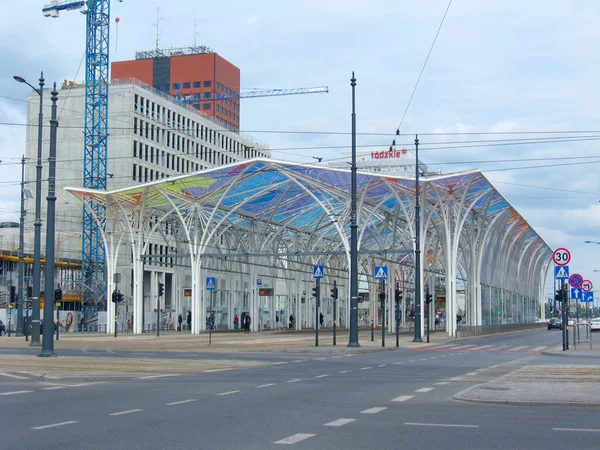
(561, 256)
(587, 285)
(575, 281)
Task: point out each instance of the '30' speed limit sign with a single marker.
(561, 256)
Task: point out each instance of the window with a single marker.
(176, 86)
(196, 96)
(206, 106)
(186, 85)
(134, 171)
(197, 84)
(134, 150)
(206, 95)
(207, 84)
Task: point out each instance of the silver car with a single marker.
(595, 324)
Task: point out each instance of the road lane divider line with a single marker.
(413, 360)
(365, 368)
(18, 377)
(337, 357)
(181, 402)
(130, 411)
(294, 438)
(216, 370)
(582, 430)
(295, 380)
(298, 360)
(322, 376)
(425, 390)
(265, 385)
(279, 363)
(61, 424)
(403, 398)
(539, 349)
(374, 410)
(345, 371)
(15, 392)
(54, 388)
(382, 365)
(320, 359)
(442, 383)
(448, 425)
(339, 422)
(229, 392)
(470, 374)
(151, 377)
(398, 363)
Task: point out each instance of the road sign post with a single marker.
(561, 256)
(318, 272)
(211, 283)
(381, 273)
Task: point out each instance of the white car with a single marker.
(595, 324)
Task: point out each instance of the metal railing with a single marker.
(582, 333)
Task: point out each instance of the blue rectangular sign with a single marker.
(318, 272)
(381, 272)
(211, 283)
(588, 297)
(576, 293)
(561, 272)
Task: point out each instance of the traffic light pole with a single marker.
(317, 300)
(334, 296)
(157, 315)
(382, 302)
(209, 318)
(563, 308)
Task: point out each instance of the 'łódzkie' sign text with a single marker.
(384, 154)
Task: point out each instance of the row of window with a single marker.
(227, 113)
(183, 124)
(194, 84)
(158, 251)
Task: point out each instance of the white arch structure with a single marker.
(277, 219)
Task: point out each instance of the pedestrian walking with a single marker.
(236, 322)
(321, 319)
(189, 320)
(291, 321)
(179, 322)
(247, 322)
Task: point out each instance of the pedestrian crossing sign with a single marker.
(318, 272)
(381, 272)
(211, 283)
(561, 272)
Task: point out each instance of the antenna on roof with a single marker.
(195, 23)
(158, 19)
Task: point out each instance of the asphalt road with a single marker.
(393, 399)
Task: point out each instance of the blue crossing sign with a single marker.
(381, 272)
(588, 297)
(561, 272)
(211, 283)
(576, 293)
(318, 272)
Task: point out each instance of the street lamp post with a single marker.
(20, 299)
(353, 335)
(37, 268)
(48, 343)
(417, 337)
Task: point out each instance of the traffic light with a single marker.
(161, 289)
(315, 292)
(13, 295)
(334, 291)
(119, 297)
(29, 291)
(58, 295)
(398, 295)
(428, 298)
(115, 296)
(559, 295)
(382, 296)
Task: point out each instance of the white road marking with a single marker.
(416, 424)
(336, 357)
(339, 422)
(295, 380)
(382, 365)
(297, 361)
(54, 388)
(521, 347)
(345, 371)
(294, 439)
(443, 356)
(374, 410)
(15, 392)
(151, 377)
(279, 363)
(266, 385)
(481, 347)
(470, 374)
(463, 346)
(18, 377)
(120, 413)
(319, 359)
(322, 376)
(441, 383)
(433, 357)
(586, 430)
(181, 402)
(215, 370)
(457, 379)
(413, 360)
(365, 368)
(43, 427)
(538, 349)
(398, 363)
(423, 359)
(229, 392)
(349, 354)
(403, 398)
(424, 390)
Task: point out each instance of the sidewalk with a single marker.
(582, 351)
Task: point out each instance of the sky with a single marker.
(497, 68)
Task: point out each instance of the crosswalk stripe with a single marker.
(294, 438)
(521, 347)
(538, 349)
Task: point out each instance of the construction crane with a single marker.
(268, 93)
(97, 14)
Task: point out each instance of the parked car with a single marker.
(595, 324)
(555, 323)
(2, 328)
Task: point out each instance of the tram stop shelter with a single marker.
(272, 221)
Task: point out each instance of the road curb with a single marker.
(568, 354)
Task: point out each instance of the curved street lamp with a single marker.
(37, 269)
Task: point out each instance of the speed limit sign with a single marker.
(561, 256)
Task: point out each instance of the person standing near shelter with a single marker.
(236, 322)
(247, 322)
(189, 320)
(291, 321)
(179, 322)
(321, 319)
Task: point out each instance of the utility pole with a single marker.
(334, 296)
(48, 343)
(417, 337)
(317, 296)
(20, 297)
(382, 303)
(353, 335)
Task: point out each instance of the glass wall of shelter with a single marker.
(258, 228)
